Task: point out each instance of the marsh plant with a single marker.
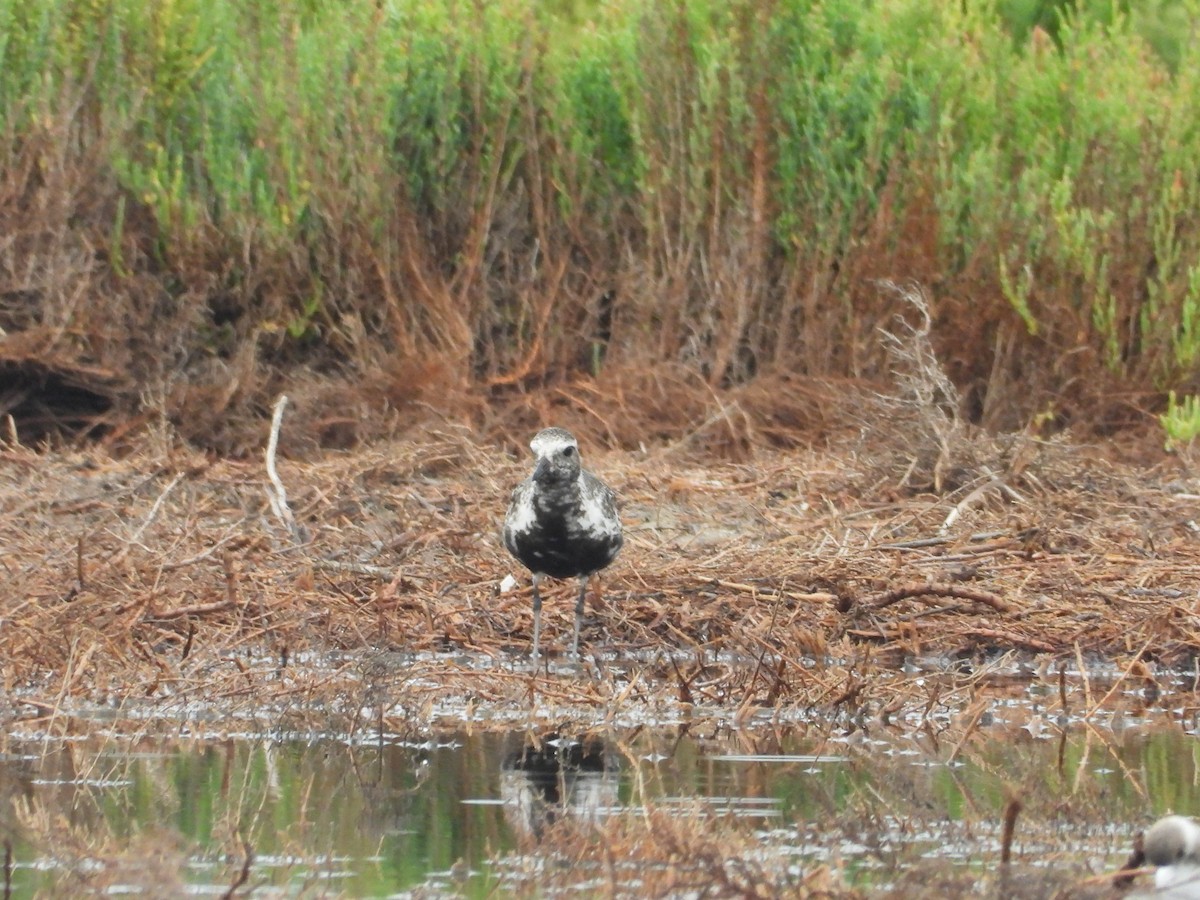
(423, 201)
(1181, 421)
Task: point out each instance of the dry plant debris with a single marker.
(669, 854)
(791, 582)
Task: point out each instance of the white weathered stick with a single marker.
(276, 493)
(153, 514)
(966, 502)
(150, 517)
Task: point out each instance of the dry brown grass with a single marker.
(792, 580)
(660, 853)
(619, 215)
(93, 862)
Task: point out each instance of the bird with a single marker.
(562, 522)
(1173, 845)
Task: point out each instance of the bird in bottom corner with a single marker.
(562, 522)
(1173, 845)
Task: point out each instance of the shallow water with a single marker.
(378, 815)
(374, 820)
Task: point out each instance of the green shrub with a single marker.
(525, 192)
(1181, 421)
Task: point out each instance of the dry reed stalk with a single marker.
(1011, 810)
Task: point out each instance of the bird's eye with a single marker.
(568, 451)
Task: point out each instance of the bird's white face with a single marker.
(557, 456)
(553, 442)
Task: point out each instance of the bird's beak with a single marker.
(542, 470)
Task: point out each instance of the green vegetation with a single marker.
(437, 195)
(1181, 421)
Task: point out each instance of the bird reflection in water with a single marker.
(553, 777)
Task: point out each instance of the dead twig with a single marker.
(1133, 867)
(1011, 811)
(1010, 639)
(276, 492)
(963, 505)
(199, 609)
(244, 874)
(921, 590)
(1137, 660)
(975, 714)
(136, 537)
(922, 543)
(818, 597)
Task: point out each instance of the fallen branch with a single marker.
(921, 590)
(1133, 663)
(767, 591)
(277, 493)
(976, 495)
(333, 565)
(1134, 866)
(1009, 639)
(1011, 811)
(244, 875)
(921, 543)
(200, 609)
(134, 538)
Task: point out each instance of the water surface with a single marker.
(382, 814)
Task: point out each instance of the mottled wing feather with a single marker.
(520, 511)
(574, 530)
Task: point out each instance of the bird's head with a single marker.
(1171, 840)
(557, 455)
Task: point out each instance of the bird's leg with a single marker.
(537, 615)
(583, 583)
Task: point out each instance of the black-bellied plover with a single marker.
(1173, 844)
(562, 522)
